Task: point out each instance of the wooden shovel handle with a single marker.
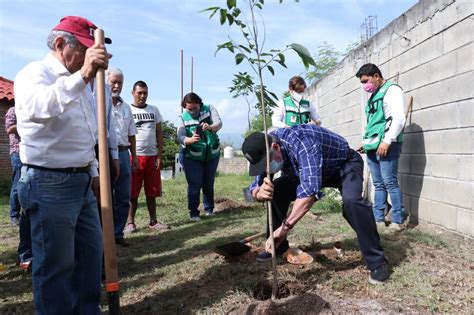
(252, 237)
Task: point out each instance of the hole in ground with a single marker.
(263, 291)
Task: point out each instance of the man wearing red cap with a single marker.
(57, 125)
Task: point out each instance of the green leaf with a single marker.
(259, 5)
(238, 58)
(230, 18)
(223, 16)
(282, 58)
(270, 68)
(245, 48)
(231, 3)
(304, 54)
(214, 9)
(227, 45)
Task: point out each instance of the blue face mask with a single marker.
(275, 166)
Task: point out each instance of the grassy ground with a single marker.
(176, 271)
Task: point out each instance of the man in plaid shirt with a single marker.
(311, 157)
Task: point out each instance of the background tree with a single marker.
(170, 147)
(326, 58)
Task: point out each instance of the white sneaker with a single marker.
(210, 214)
(380, 225)
(195, 219)
(396, 227)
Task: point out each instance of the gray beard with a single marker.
(115, 94)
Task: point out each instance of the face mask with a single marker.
(275, 166)
(296, 96)
(194, 113)
(369, 87)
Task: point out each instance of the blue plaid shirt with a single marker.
(311, 153)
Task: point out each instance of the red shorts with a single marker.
(146, 171)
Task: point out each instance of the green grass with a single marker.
(176, 271)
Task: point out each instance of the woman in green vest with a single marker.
(201, 151)
(294, 109)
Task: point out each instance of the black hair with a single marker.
(140, 84)
(192, 98)
(369, 69)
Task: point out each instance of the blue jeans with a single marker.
(200, 175)
(122, 191)
(24, 247)
(384, 177)
(16, 170)
(66, 240)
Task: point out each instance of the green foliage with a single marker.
(326, 59)
(170, 147)
(256, 124)
(252, 49)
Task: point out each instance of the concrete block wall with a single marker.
(235, 165)
(429, 51)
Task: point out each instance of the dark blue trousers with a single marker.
(357, 212)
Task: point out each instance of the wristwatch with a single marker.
(286, 225)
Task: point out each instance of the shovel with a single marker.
(234, 249)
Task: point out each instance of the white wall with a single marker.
(429, 51)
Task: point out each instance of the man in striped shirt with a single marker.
(310, 158)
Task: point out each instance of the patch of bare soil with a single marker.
(223, 205)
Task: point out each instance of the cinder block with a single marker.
(465, 59)
(446, 116)
(432, 142)
(432, 188)
(445, 66)
(431, 48)
(424, 209)
(428, 95)
(457, 193)
(458, 35)
(411, 185)
(404, 163)
(458, 88)
(465, 168)
(420, 119)
(444, 166)
(458, 141)
(445, 16)
(421, 75)
(420, 164)
(444, 215)
(465, 221)
(466, 111)
(415, 142)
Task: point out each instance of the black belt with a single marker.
(123, 147)
(84, 169)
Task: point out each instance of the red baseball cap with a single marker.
(81, 28)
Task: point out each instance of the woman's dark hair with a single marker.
(296, 82)
(369, 69)
(192, 98)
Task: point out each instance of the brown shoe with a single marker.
(122, 242)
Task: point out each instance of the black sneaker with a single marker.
(264, 257)
(379, 275)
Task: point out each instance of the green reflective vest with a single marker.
(296, 114)
(376, 121)
(206, 149)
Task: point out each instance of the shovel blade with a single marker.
(232, 249)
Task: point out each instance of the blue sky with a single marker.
(148, 36)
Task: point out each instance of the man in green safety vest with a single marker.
(294, 109)
(382, 142)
